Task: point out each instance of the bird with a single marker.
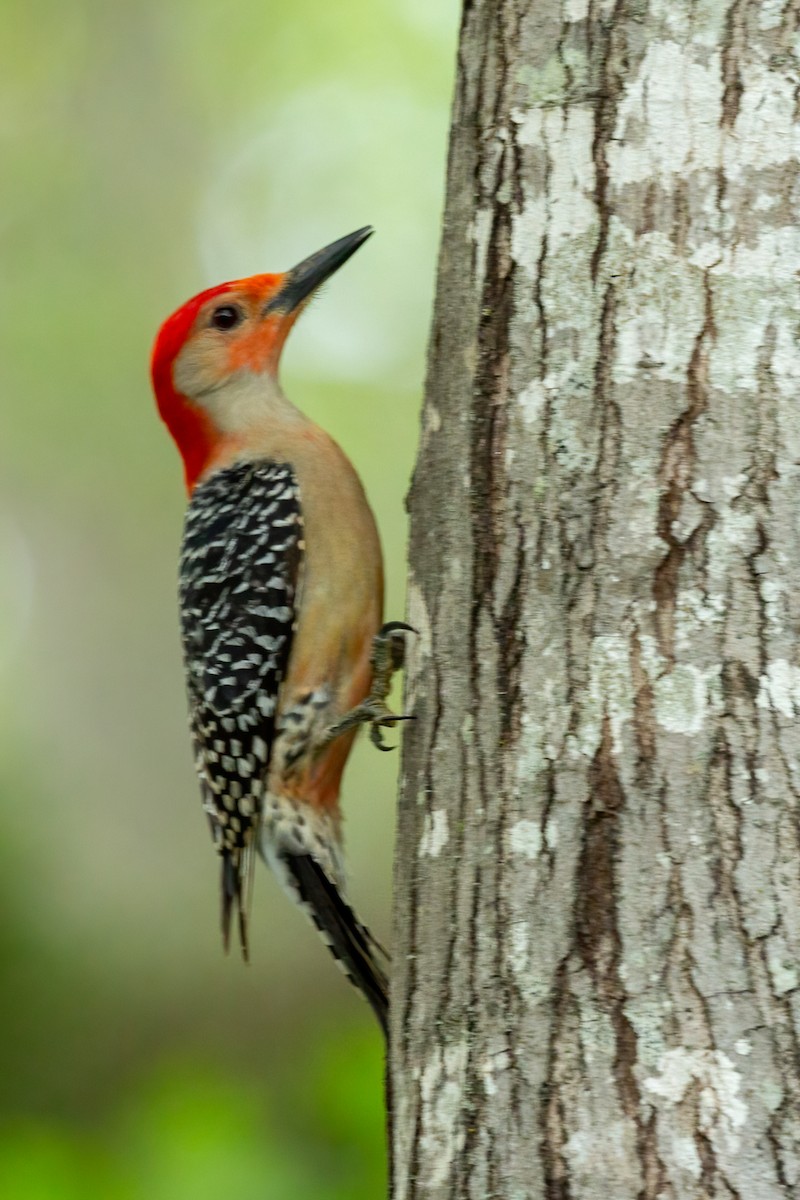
(281, 604)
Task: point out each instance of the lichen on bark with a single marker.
(598, 873)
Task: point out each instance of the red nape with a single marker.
(189, 426)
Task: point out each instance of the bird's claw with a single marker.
(389, 649)
(388, 656)
(388, 722)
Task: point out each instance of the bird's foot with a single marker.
(388, 656)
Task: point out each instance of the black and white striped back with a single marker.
(240, 562)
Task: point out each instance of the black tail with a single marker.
(350, 942)
(236, 868)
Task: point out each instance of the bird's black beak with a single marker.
(307, 276)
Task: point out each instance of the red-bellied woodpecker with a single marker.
(281, 596)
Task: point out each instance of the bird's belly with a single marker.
(289, 826)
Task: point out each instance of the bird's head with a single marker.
(215, 360)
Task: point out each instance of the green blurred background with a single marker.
(148, 151)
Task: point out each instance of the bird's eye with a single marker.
(226, 316)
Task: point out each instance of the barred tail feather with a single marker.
(350, 942)
(237, 870)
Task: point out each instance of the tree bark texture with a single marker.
(598, 869)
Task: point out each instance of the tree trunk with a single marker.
(598, 870)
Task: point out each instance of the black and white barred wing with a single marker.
(240, 563)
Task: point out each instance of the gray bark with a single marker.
(598, 871)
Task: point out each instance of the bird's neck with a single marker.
(214, 431)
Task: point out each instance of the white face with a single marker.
(228, 364)
(229, 335)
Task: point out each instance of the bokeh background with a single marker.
(147, 151)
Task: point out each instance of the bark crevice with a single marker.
(596, 973)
